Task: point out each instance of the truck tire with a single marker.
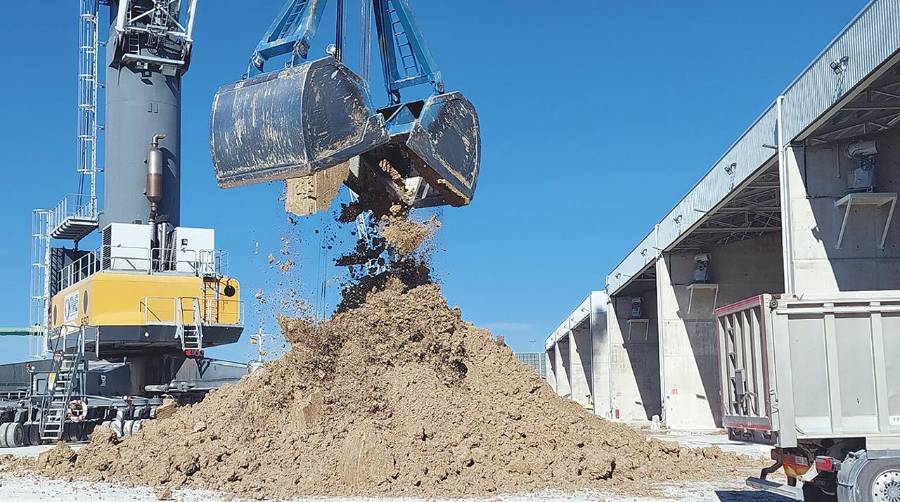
(869, 479)
(3, 427)
(880, 479)
(15, 435)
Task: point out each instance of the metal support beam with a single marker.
(736, 230)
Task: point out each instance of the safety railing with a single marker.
(202, 262)
(165, 310)
(74, 205)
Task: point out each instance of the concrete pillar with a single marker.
(633, 360)
(580, 354)
(550, 359)
(600, 360)
(687, 347)
(563, 382)
(550, 365)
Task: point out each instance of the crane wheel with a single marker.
(33, 431)
(136, 427)
(127, 428)
(74, 432)
(117, 426)
(3, 429)
(15, 435)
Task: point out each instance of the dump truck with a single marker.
(818, 378)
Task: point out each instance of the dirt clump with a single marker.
(395, 396)
(405, 235)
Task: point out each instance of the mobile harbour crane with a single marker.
(127, 324)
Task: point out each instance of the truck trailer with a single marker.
(818, 378)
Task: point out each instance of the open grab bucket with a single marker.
(292, 123)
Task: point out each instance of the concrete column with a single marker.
(580, 360)
(633, 360)
(563, 382)
(550, 365)
(687, 348)
(600, 384)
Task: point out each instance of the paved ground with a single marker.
(33, 489)
(713, 438)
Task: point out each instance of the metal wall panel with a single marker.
(868, 41)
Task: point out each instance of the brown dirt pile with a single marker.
(397, 396)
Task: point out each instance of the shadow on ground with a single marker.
(749, 496)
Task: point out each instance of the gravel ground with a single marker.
(34, 489)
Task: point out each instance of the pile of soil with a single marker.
(394, 395)
(397, 396)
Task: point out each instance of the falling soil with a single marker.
(405, 235)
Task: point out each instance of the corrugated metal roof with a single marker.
(870, 40)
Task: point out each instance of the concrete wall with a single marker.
(688, 351)
(817, 177)
(634, 361)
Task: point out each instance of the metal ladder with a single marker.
(191, 335)
(404, 46)
(290, 20)
(40, 280)
(88, 89)
(67, 371)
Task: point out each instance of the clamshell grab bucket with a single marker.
(292, 123)
(444, 134)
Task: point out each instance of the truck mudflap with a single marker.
(292, 123)
(795, 466)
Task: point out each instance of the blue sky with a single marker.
(596, 119)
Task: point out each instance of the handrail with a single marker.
(203, 313)
(144, 259)
(72, 206)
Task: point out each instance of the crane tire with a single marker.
(118, 427)
(3, 429)
(33, 431)
(127, 428)
(136, 427)
(15, 435)
(73, 432)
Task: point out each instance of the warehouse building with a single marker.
(801, 204)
